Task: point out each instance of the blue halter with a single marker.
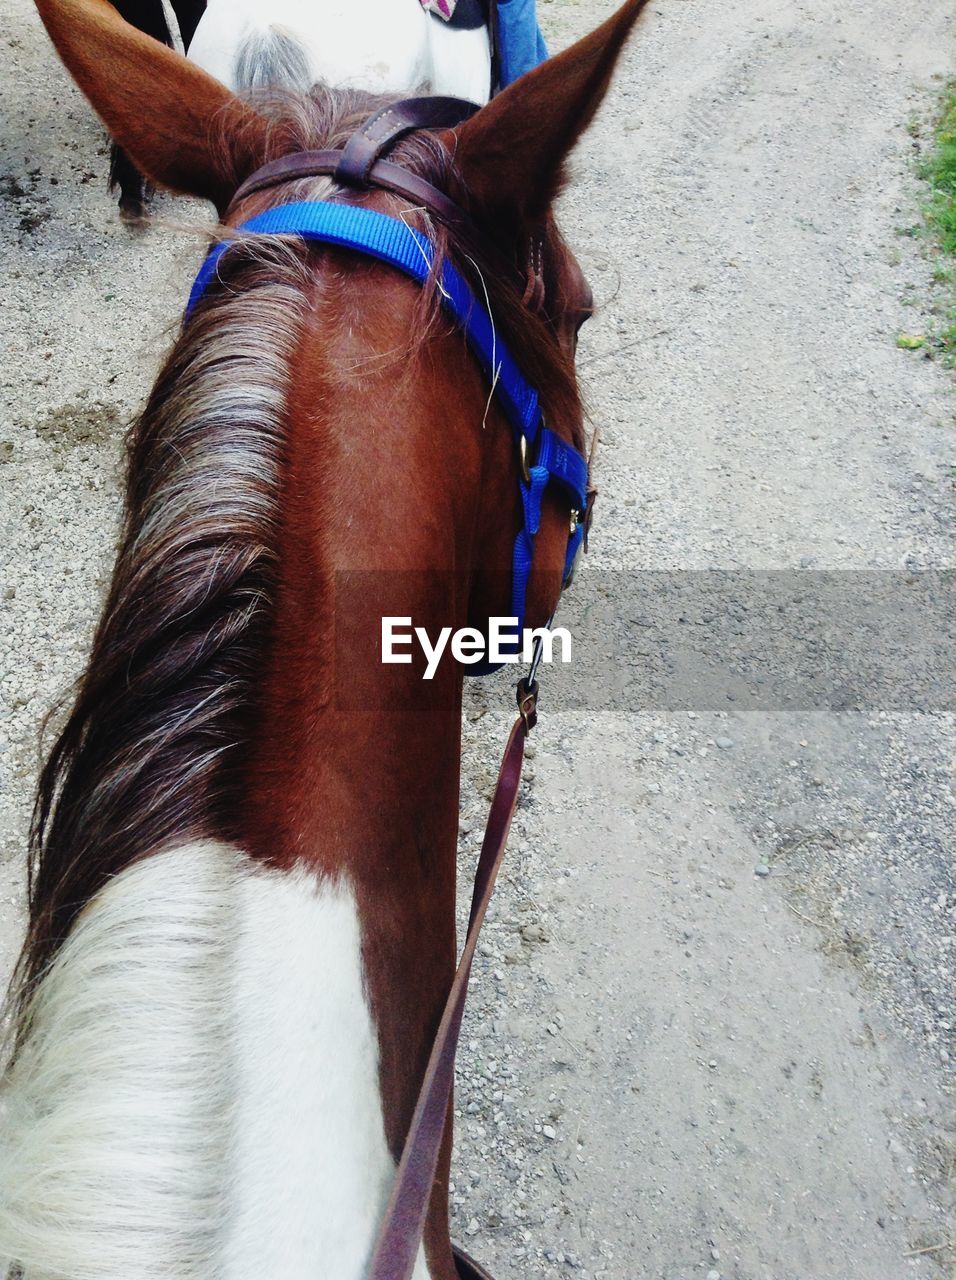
(391, 241)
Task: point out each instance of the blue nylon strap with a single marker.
(564, 464)
(531, 495)
(390, 240)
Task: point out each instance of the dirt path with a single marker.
(673, 1066)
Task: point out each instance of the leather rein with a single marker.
(400, 1233)
(359, 165)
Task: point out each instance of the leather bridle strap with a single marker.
(382, 173)
(383, 129)
(359, 165)
(401, 1231)
(353, 164)
(387, 176)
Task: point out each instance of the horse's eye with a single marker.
(585, 308)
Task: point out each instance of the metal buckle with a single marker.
(527, 697)
(525, 465)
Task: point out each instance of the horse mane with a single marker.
(152, 751)
(148, 755)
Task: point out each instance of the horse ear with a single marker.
(511, 154)
(165, 112)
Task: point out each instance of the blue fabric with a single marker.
(531, 495)
(391, 241)
(521, 46)
(564, 464)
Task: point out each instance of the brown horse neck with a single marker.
(354, 769)
(354, 763)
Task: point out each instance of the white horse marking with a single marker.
(198, 1098)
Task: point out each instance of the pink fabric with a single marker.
(444, 8)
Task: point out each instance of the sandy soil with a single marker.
(713, 1026)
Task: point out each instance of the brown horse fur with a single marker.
(305, 464)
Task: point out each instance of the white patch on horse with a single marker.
(382, 46)
(198, 1096)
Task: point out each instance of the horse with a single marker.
(381, 46)
(148, 16)
(241, 928)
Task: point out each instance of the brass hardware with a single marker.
(575, 519)
(525, 469)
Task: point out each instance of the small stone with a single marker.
(761, 869)
(549, 1132)
(473, 1228)
(724, 743)
(713, 1275)
(534, 933)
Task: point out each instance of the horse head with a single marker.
(244, 851)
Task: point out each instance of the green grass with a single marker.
(939, 172)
